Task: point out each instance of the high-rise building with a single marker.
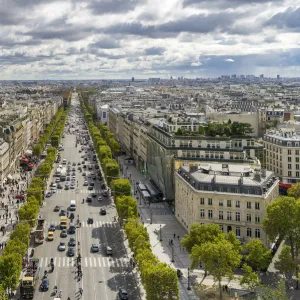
(278, 76)
(132, 79)
(261, 76)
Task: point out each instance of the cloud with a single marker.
(229, 60)
(225, 3)
(155, 51)
(196, 64)
(289, 19)
(106, 43)
(101, 7)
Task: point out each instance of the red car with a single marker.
(20, 197)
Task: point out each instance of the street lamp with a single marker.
(150, 216)
(188, 278)
(160, 236)
(172, 247)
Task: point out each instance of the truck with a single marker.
(39, 231)
(30, 279)
(63, 222)
(63, 174)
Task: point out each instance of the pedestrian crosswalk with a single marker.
(79, 191)
(86, 262)
(84, 224)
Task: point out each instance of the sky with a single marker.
(120, 39)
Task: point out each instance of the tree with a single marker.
(285, 263)
(104, 153)
(200, 234)
(294, 191)
(35, 193)
(220, 259)
(277, 224)
(179, 132)
(37, 183)
(22, 233)
(3, 295)
(45, 170)
(28, 213)
(15, 246)
(112, 170)
(276, 292)
(37, 150)
(10, 269)
(126, 207)
(121, 187)
(258, 256)
(249, 280)
(114, 146)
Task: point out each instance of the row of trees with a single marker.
(16, 248)
(158, 278)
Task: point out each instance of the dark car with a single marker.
(103, 211)
(71, 216)
(59, 186)
(56, 208)
(90, 187)
(72, 242)
(96, 167)
(94, 195)
(123, 295)
(72, 229)
(63, 212)
(45, 284)
(92, 183)
(88, 199)
(63, 233)
(52, 227)
(71, 251)
(49, 194)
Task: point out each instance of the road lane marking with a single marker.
(86, 261)
(103, 261)
(91, 263)
(58, 262)
(46, 262)
(41, 261)
(63, 262)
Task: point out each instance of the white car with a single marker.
(62, 246)
(54, 190)
(100, 198)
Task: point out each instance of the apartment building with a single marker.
(4, 160)
(234, 196)
(283, 155)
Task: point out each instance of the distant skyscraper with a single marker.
(233, 76)
(278, 76)
(261, 76)
(132, 79)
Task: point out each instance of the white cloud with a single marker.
(196, 64)
(229, 60)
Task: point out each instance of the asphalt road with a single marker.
(102, 275)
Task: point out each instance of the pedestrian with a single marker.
(80, 291)
(178, 237)
(172, 242)
(174, 235)
(169, 241)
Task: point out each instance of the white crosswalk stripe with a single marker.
(87, 262)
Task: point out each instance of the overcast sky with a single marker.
(93, 39)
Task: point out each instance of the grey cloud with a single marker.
(20, 58)
(224, 3)
(271, 39)
(106, 43)
(155, 51)
(101, 7)
(9, 17)
(288, 19)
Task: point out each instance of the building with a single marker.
(233, 196)
(283, 154)
(4, 161)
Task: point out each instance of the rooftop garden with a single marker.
(218, 129)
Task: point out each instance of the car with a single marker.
(123, 295)
(64, 233)
(94, 177)
(80, 150)
(72, 242)
(57, 179)
(88, 199)
(62, 246)
(73, 177)
(95, 248)
(73, 169)
(79, 169)
(54, 190)
(69, 163)
(52, 227)
(86, 183)
(84, 166)
(67, 187)
(59, 186)
(64, 161)
(71, 216)
(56, 208)
(73, 174)
(103, 211)
(94, 195)
(90, 187)
(90, 221)
(63, 212)
(72, 229)
(83, 174)
(49, 194)
(74, 164)
(90, 167)
(92, 183)
(96, 167)
(72, 186)
(71, 251)
(50, 235)
(45, 284)
(100, 198)
(68, 178)
(108, 250)
(105, 193)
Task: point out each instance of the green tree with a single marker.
(114, 146)
(104, 153)
(10, 269)
(126, 207)
(259, 257)
(220, 259)
(28, 212)
(121, 187)
(285, 263)
(277, 224)
(15, 246)
(200, 234)
(22, 233)
(179, 132)
(37, 150)
(249, 280)
(35, 193)
(37, 183)
(112, 170)
(276, 292)
(44, 170)
(294, 191)
(3, 295)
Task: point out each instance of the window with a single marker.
(228, 203)
(297, 166)
(249, 204)
(289, 159)
(297, 152)
(248, 217)
(238, 231)
(297, 159)
(220, 202)
(209, 201)
(249, 232)
(257, 233)
(221, 227)
(104, 114)
(289, 173)
(210, 214)
(238, 216)
(289, 152)
(256, 205)
(238, 204)
(202, 201)
(297, 174)
(289, 166)
(229, 218)
(257, 218)
(220, 215)
(202, 213)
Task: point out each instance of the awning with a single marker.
(285, 185)
(31, 165)
(26, 160)
(9, 177)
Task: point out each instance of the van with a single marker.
(73, 205)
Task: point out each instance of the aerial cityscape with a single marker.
(149, 150)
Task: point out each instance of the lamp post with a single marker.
(150, 216)
(188, 278)
(172, 247)
(160, 236)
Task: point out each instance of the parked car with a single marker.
(123, 295)
(62, 246)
